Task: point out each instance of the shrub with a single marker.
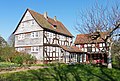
(21, 58)
(9, 54)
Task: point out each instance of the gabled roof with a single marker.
(86, 38)
(49, 23)
(72, 49)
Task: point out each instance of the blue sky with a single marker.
(66, 11)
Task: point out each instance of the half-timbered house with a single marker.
(44, 37)
(95, 49)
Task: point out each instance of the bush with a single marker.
(21, 58)
(9, 54)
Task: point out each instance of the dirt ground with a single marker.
(23, 69)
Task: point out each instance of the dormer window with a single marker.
(55, 26)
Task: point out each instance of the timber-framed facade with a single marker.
(45, 38)
(95, 49)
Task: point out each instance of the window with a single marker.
(51, 35)
(21, 36)
(58, 37)
(32, 22)
(34, 34)
(81, 58)
(85, 45)
(89, 49)
(54, 35)
(100, 44)
(82, 46)
(84, 58)
(53, 48)
(66, 43)
(77, 45)
(57, 49)
(20, 49)
(103, 44)
(93, 49)
(35, 49)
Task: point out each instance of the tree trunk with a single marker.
(109, 56)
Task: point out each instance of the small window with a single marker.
(35, 49)
(81, 58)
(47, 34)
(51, 35)
(103, 44)
(21, 36)
(53, 48)
(32, 22)
(84, 55)
(20, 49)
(89, 49)
(100, 44)
(93, 49)
(55, 26)
(34, 34)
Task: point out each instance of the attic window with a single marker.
(32, 23)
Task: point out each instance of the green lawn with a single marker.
(61, 72)
(8, 64)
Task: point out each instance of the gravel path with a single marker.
(23, 69)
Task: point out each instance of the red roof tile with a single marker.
(50, 23)
(86, 38)
(71, 49)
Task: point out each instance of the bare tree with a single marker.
(98, 19)
(11, 40)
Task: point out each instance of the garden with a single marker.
(63, 72)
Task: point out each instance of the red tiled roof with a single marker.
(86, 38)
(49, 23)
(71, 49)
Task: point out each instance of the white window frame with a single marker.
(100, 45)
(21, 36)
(103, 44)
(34, 34)
(93, 49)
(20, 49)
(84, 58)
(53, 48)
(81, 58)
(35, 49)
(85, 45)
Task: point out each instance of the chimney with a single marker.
(45, 15)
(55, 18)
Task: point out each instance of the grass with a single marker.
(8, 64)
(62, 72)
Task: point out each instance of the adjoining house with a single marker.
(95, 49)
(45, 38)
(72, 54)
